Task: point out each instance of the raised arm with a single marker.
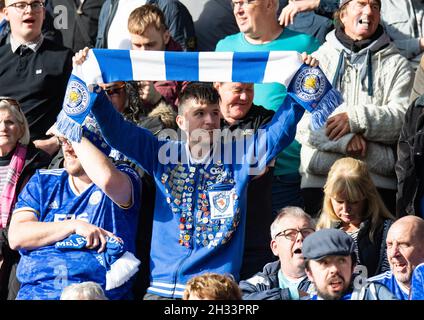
(321, 7)
(113, 182)
(137, 143)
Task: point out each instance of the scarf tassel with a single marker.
(71, 129)
(325, 108)
(121, 270)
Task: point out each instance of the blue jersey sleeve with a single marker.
(137, 143)
(29, 198)
(136, 184)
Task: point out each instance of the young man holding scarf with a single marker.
(200, 208)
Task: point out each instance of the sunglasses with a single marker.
(114, 90)
(12, 102)
(63, 141)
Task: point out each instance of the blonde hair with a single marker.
(88, 290)
(142, 17)
(212, 286)
(350, 177)
(13, 106)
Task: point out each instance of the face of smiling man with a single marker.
(25, 23)
(405, 248)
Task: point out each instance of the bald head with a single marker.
(405, 248)
(412, 225)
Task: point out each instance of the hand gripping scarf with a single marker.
(306, 85)
(120, 266)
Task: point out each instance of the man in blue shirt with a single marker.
(91, 198)
(404, 251)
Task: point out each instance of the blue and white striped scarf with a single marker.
(306, 85)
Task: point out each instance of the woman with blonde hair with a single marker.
(353, 204)
(19, 159)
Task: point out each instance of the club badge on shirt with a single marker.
(222, 204)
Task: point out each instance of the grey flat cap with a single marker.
(327, 242)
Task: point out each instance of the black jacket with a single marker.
(35, 159)
(409, 166)
(373, 255)
(259, 198)
(265, 286)
(80, 29)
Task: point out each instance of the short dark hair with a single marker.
(199, 92)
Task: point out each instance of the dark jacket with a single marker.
(370, 291)
(178, 20)
(373, 255)
(35, 159)
(81, 24)
(409, 166)
(259, 199)
(265, 286)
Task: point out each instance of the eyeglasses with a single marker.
(22, 6)
(291, 234)
(242, 4)
(63, 142)
(114, 90)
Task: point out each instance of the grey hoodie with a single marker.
(378, 117)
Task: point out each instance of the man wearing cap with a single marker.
(90, 198)
(404, 253)
(375, 81)
(330, 261)
(401, 19)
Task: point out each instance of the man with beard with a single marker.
(90, 198)
(404, 252)
(330, 261)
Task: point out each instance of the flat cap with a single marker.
(327, 242)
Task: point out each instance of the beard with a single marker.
(74, 168)
(333, 295)
(404, 278)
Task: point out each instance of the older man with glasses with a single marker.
(284, 279)
(34, 70)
